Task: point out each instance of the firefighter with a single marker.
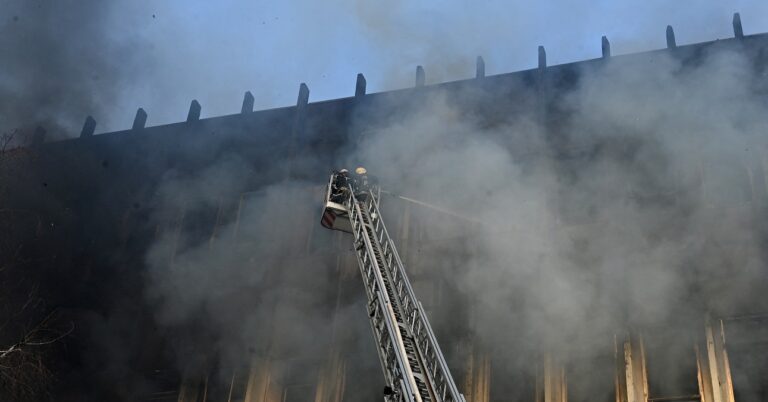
(343, 175)
(361, 177)
(360, 182)
(340, 186)
(366, 180)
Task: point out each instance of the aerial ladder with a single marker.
(414, 367)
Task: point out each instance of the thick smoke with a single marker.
(262, 287)
(634, 213)
(648, 221)
(68, 59)
(644, 219)
(62, 61)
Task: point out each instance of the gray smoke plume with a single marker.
(649, 220)
(260, 287)
(633, 213)
(649, 225)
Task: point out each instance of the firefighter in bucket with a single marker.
(340, 186)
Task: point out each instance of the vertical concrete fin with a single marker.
(737, 29)
(715, 382)
(551, 384)
(297, 131)
(247, 103)
(479, 67)
(194, 111)
(258, 381)
(671, 42)
(140, 120)
(420, 76)
(631, 379)
(303, 99)
(606, 47)
(89, 127)
(360, 85)
(542, 58)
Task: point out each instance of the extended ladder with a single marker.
(413, 364)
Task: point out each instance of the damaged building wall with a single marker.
(191, 259)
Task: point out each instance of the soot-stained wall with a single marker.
(192, 252)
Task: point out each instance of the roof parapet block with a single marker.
(303, 98)
(140, 121)
(606, 47)
(247, 103)
(479, 67)
(89, 127)
(420, 76)
(360, 85)
(194, 111)
(671, 42)
(299, 124)
(542, 58)
(738, 31)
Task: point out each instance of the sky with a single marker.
(81, 57)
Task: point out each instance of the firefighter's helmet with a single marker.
(361, 170)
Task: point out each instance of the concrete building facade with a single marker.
(191, 260)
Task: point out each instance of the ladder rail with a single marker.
(383, 324)
(420, 326)
(431, 369)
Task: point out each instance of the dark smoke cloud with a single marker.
(62, 61)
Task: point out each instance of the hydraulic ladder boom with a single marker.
(414, 367)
